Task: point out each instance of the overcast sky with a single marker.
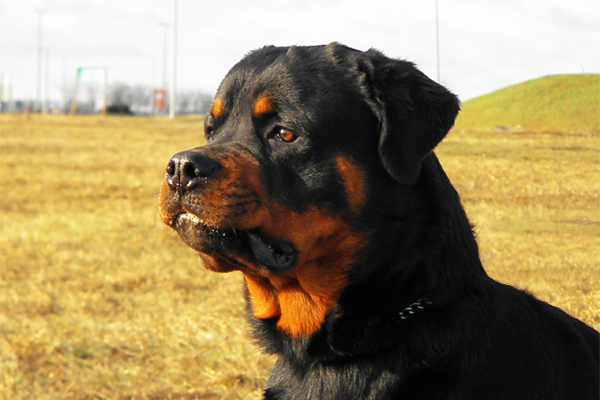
(484, 45)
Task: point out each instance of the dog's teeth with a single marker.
(197, 221)
(191, 218)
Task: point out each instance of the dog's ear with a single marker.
(414, 112)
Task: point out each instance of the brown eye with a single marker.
(209, 128)
(285, 136)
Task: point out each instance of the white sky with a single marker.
(484, 45)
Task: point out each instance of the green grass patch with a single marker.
(554, 104)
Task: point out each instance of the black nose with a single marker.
(188, 168)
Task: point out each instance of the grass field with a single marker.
(99, 301)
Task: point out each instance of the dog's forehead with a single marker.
(259, 73)
(282, 75)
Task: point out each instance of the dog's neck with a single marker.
(416, 255)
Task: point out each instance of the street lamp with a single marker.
(38, 101)
(165, 53)
(437, 38)
(172, 97)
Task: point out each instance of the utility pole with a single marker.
(38, 100)
(153, 75)
(165, 53)
(437, 38)
(46, 95)
(172, 97)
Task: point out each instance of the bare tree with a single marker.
(139, 99)
(185, 101)
(202, 102)
(118, 94)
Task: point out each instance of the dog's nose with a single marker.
(188, 168)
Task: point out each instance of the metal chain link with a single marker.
(413, 308)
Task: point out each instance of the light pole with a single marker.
(46, 91)
(38, 99)
(437, 38)
(165, 53)
(172, 96)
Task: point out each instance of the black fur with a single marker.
(474, 338)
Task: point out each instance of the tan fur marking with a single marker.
(327, 249)
(354, 182)
(263, 105)
(263, 297)
(218, 108)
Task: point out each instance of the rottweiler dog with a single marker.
(362, 273)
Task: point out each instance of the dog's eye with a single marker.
(284, 135)
(209, 128)
(209, 132)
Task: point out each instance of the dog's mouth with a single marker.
(252, 245)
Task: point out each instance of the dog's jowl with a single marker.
(362, 274)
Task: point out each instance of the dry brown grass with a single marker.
(98, 300)
(534, 199)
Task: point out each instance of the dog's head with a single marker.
(299, 142)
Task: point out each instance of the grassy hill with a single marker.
(556, 104)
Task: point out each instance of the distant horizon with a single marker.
(203, 93)
(529, 80)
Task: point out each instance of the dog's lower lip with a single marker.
(277, 257)
(186, 217)
(191, 218)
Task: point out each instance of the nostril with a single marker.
(171, 168)
(172, 176)
(202, 168)
(191, 172)
(187, 169)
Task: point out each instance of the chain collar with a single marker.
(412, 309)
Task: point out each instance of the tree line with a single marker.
(124, 98)
(139, 99)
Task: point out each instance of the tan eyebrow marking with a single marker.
(263, 105)
(218, 108)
